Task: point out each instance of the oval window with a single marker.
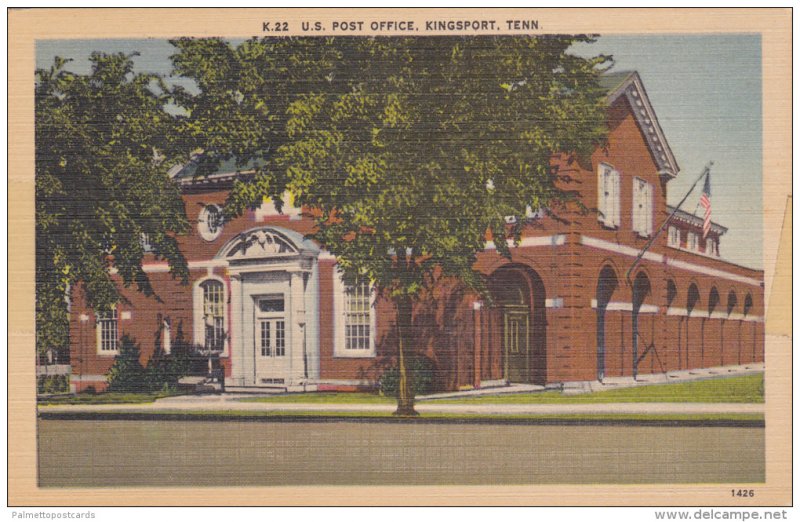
(210, 222)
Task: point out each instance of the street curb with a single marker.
(140, 416)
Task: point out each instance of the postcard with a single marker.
(330, 257)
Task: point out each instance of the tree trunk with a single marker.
(405, 397)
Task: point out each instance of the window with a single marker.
(214, 315)
(210, 222)
(642, 207)
(166, 337)
(691, 241)
(355, 319)
(674, 238)
(608, 196)
(107, 331)
(144, 239)
(710, 247)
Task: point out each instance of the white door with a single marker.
(271, 337)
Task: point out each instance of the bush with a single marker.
(419, 370)
(127, 375)
(52, 384)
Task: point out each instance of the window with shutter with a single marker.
(608, 196)
(642, 212)
(615, 192)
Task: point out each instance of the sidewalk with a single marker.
(233, 402)
(222, 403)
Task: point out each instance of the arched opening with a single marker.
(750, 330)
(672, 292)
(519, 299)
(731, 306)
(607, 284)
(641, 289)
(692, 302)
(705, 345)
(674, 324)
(731, 302)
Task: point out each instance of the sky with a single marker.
(705, 90)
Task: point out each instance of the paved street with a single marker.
(107, 453)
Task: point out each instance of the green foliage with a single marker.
(52, 384)
(163, 370)
(127, 374)
(104, 143)
(421, 371)
(408, 151)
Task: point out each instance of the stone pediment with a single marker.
(266, 242)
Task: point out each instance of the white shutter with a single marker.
(615, 198)
(602, 200)
(649, 210)
(637, 200)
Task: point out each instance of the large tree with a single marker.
(104, 143)
(408, 152)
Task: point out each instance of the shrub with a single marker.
(127, 374)
(420, 372)
(161, 373)
(52, 384)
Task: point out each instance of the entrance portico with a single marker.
(274, 316)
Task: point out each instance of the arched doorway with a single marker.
(519, 301)
(692, 302)
(641, 289)
(607, 283)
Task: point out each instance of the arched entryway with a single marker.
(641, 289)
(692, 304)
(607, 284)
(519, 301)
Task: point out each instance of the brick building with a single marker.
(268, 307)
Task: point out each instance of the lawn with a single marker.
(748, 388)
(326, 398)
(107, 398)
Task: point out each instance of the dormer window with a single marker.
(674, 237)
(691, 242)
(608, 196)
(711, 247)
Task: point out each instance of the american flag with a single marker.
(705, 201)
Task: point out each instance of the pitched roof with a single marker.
(188, 172)
(629, 84)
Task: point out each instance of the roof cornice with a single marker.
(633, 89)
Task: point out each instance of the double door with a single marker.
(271, 340)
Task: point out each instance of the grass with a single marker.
(740, 389)
(326, 398)
(107, 398)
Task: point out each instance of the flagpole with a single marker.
(634, 316)
(706, 171)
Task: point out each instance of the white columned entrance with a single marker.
(271, 303)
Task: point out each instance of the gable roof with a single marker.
(629, 84)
